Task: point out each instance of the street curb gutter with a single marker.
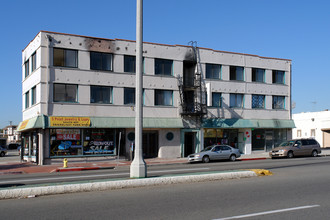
(80, 169)
(120, 184)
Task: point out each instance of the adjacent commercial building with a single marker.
(313, 125)
(79, 96)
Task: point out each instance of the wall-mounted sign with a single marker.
(70, 121)
(23, 125)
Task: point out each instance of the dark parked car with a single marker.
(3, 151)
(13, 146)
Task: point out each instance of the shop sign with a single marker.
(70, 121)
(23, 125)
(67, 134)
(210, 133)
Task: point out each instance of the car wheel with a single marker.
(314, 153)
(2, 154)
(232, 157)
(290, 154)
(206, 159)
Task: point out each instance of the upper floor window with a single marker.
(216, 99)
(258, 75)
(27, 99)
(129, 64)
(278, 76)
(27, 68)
(163, 67)
(129, 96)
(33, 96)
(236, 73)
(33, 62)
(101, 61)
(65, 93)
(163, 97)
(236, 100)
(312, 132)
(278, 102)
(65, 57)
(213, 71)
(298, 133)
(101, 94)
(258, 101)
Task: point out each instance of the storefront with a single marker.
(220, 136)
(267, 139)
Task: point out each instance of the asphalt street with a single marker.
(297, 190)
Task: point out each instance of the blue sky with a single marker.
(293, 29)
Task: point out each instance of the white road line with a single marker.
(90, 176)
(269, 212)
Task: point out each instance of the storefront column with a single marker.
(247, 137)
(41, 148)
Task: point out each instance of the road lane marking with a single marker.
(98, 175)
(269, 212)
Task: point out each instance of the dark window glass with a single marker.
(258, 101)
(278, 102)
(163, 67)
(65, 57)
(101, 94)
(101, 61)
(237, 73)
(258, 75)
(129, 96)
(129, 64)
(163, 97)
(65, 93)
(216, 99)
(34, 62)
(213, 71)
(33, 96)
(27, 68)
(278, 76)
(27, 99)
(236, 100)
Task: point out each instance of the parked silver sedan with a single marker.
(215, 152)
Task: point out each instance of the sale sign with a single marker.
(67, 134)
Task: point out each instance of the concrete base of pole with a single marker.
(138, 169)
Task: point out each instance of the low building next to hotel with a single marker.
(79, 99)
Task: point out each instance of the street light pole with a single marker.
(138, 167)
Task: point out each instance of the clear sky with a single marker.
(292, 29)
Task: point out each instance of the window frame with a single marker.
(66, 93)
(275, 76)
(160, 64)
(258, 96)
(235, 95)
(219, 101)
(64, 58)
(127, 95)
(33, 95)
(233, 73)
(27, 68)
(255, 73)
(27, 99)
(33, 62)
(100, 92)
(210, 70)
(102, 67)
(132, 61)
(163, 95)
(275, 105)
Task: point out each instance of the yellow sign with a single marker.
(23, 125)
(70, 121)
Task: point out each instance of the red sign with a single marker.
(68, 137)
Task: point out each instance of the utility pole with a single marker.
(138, 167)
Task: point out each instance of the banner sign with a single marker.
(23, 125)
(67, 134)
(70, 121)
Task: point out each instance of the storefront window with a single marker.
(258, 139)
(220, 136)
(65, 142)
(99, 141)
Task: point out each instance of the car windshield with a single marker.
(207, 149)
(287, 143)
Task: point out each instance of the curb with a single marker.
(79, 169)
(260, 158)
(120, 184)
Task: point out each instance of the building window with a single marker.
(278, 102)
(237, 73)
(33, 96)
(258, 75)
(163, 97)
(278, 76)
(101, 61)
(236, 100)
(65, 57)
(65, 93)
(27, 68)
(216, 99)
(312, 132)
(258, 101)
(27, 99)
(298, 133)
(163, 67)
(101, 94)
(213, 71)
(129, 64)
(34, 62)
(129, 96)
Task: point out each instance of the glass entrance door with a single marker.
(269, 140)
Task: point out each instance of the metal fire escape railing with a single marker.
(197, 88)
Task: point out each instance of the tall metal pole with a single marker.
(138, 167)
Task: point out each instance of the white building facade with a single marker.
(79, 95)
(313, 125)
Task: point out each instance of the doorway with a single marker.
(189, 143)
(150, 144)
(269, 140)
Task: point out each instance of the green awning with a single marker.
(35, 122)
(247, 123)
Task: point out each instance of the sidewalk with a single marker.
(79, 164)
